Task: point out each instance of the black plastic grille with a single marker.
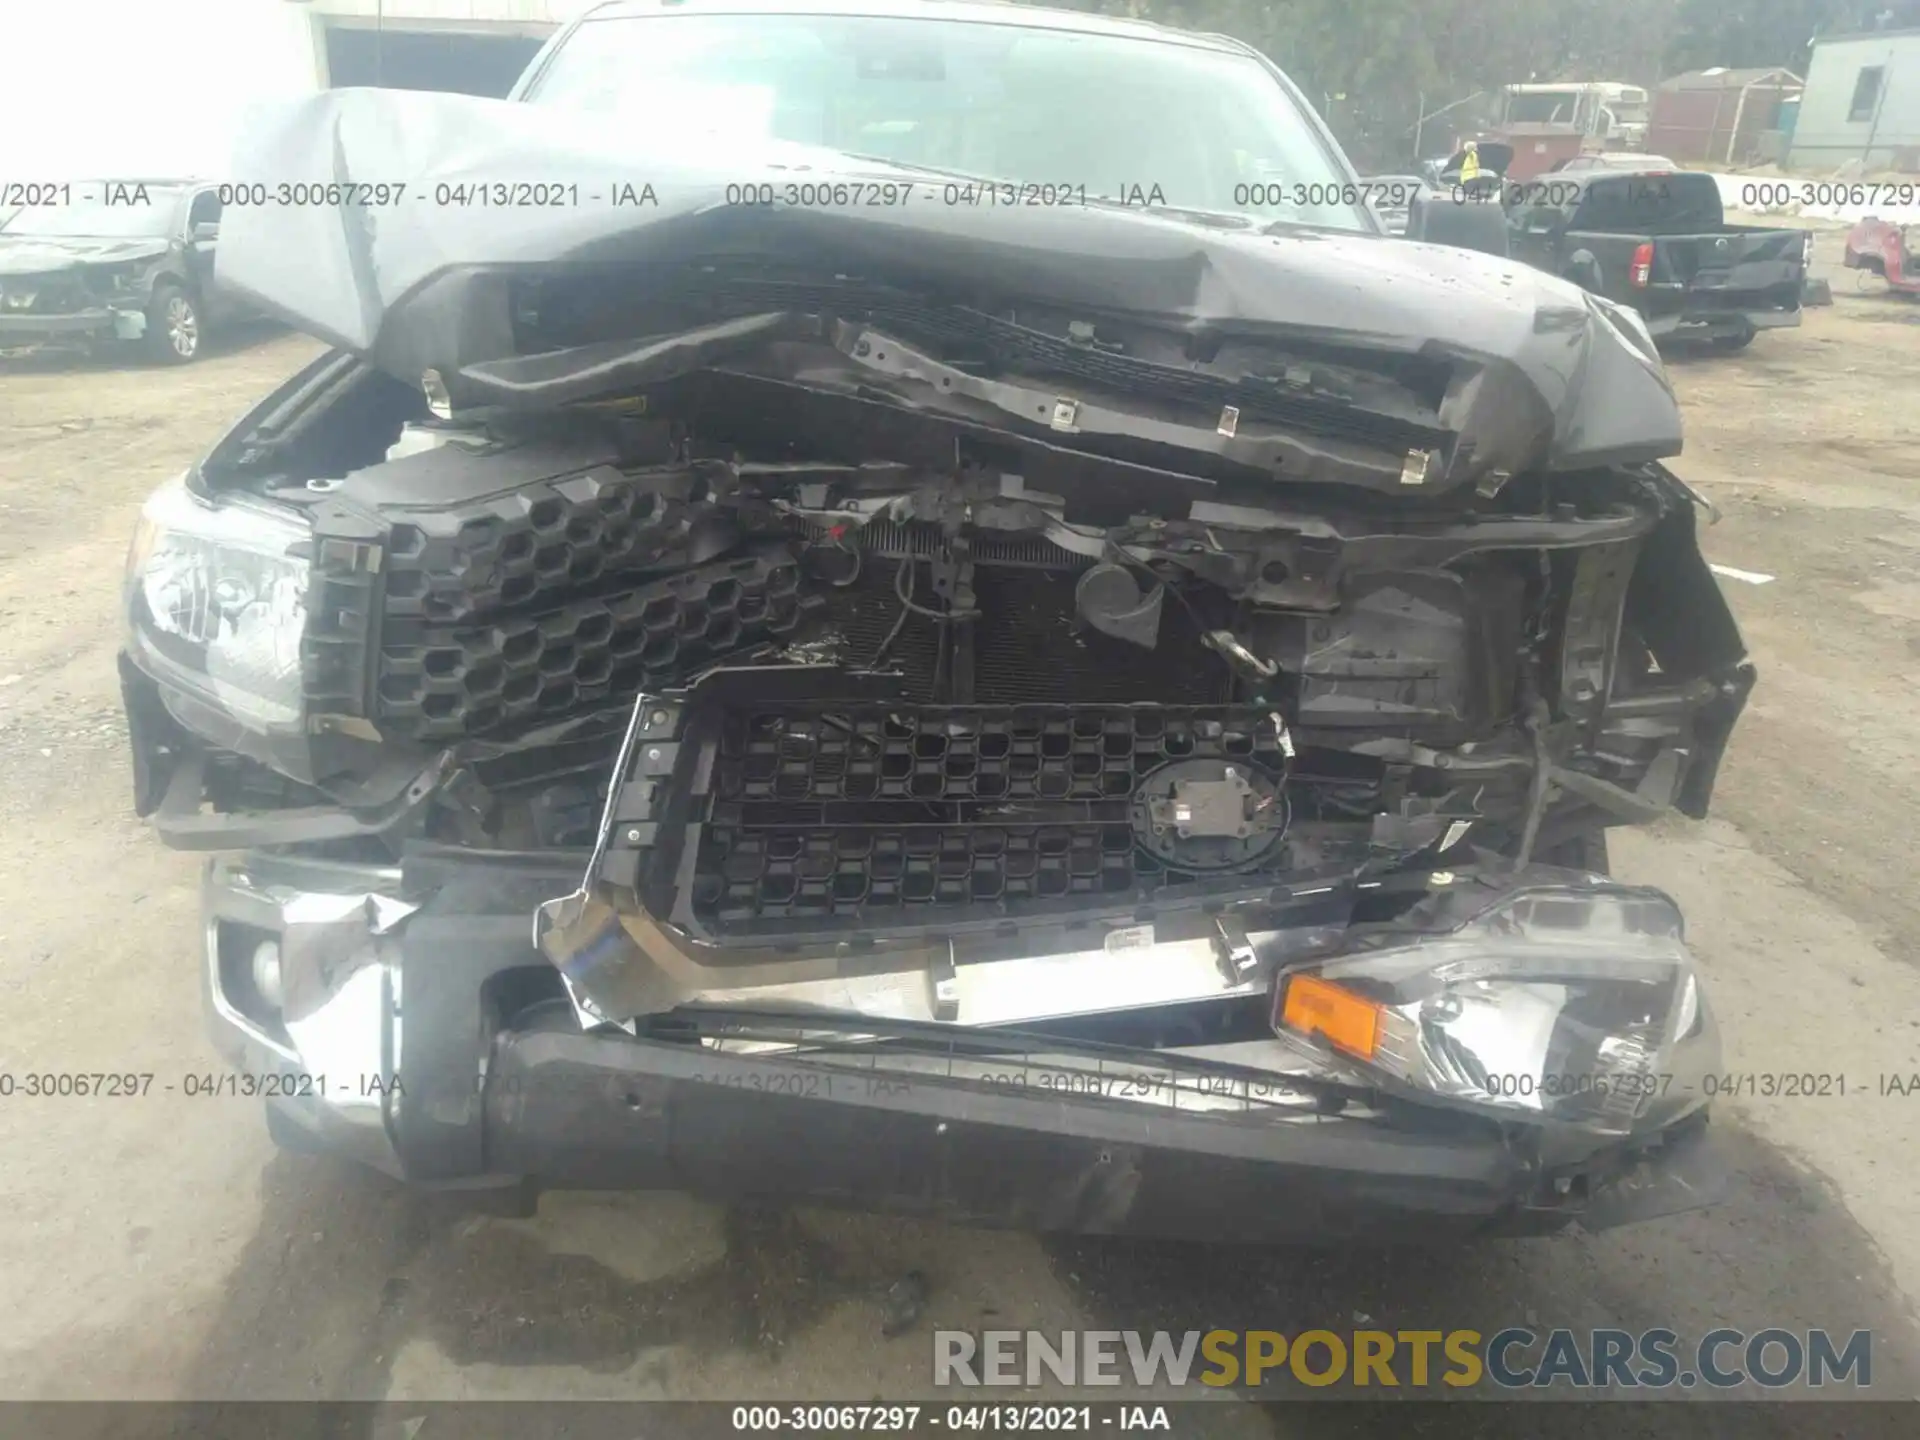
(524, 547)
(445, 681)
(844, 814)
(52, 294)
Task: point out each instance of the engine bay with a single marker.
(897, 694)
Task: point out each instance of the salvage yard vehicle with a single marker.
(1888, 250)
(1391, 198)
(835, 670)
(123, 260)
(1659, 241)
(1614, 160)
(1494, 160)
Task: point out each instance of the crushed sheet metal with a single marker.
(384, 913)
(341, 1000)
(590, 1015)
(1548, 379)
(1020, 990)
(1751, 577)
(1170, 1087)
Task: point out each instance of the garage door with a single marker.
(470, 64)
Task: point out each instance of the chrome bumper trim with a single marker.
(329, 1059)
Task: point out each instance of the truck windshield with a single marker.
(1651, 204)
(1160, 122)
(91, 218)
(1544, 107)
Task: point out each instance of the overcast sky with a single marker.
(97, 87)
(124, 87)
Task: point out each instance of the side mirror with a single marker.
(1464, 224)
(1583, 268)
(207, 230)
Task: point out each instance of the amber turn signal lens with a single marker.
(1319, 1007)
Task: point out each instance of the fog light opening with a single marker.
(265, 970)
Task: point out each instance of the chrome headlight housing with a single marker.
(1573, 1003)
(216, 604)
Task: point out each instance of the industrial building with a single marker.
(1861, 103)
(475, 47)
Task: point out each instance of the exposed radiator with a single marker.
(1028, 646)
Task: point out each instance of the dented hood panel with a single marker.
(1553, 377)
(50, 254)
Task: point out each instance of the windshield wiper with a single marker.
(942, 171)
(1212, 219)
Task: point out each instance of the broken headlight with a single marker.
(216, 603)
(118, 281)
(1558, 1003)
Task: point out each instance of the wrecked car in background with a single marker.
(1888, 250)
(90, 263)
(790, 676)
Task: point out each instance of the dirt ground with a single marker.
(160, 1247)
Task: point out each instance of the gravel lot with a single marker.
(160, 1247)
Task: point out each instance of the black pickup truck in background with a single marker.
(1659, 241)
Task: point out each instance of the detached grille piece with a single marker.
(871, 813)
(523, 547)
(441, 682)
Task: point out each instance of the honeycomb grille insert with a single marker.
(448, 681)
(532, 544)
(870, 813)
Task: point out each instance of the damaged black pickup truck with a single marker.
(785, 675)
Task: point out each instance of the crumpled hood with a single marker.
(418, 283)
(50, 254)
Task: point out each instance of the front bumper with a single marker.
(406, 1056)
(1706, 324)
(103, 323)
